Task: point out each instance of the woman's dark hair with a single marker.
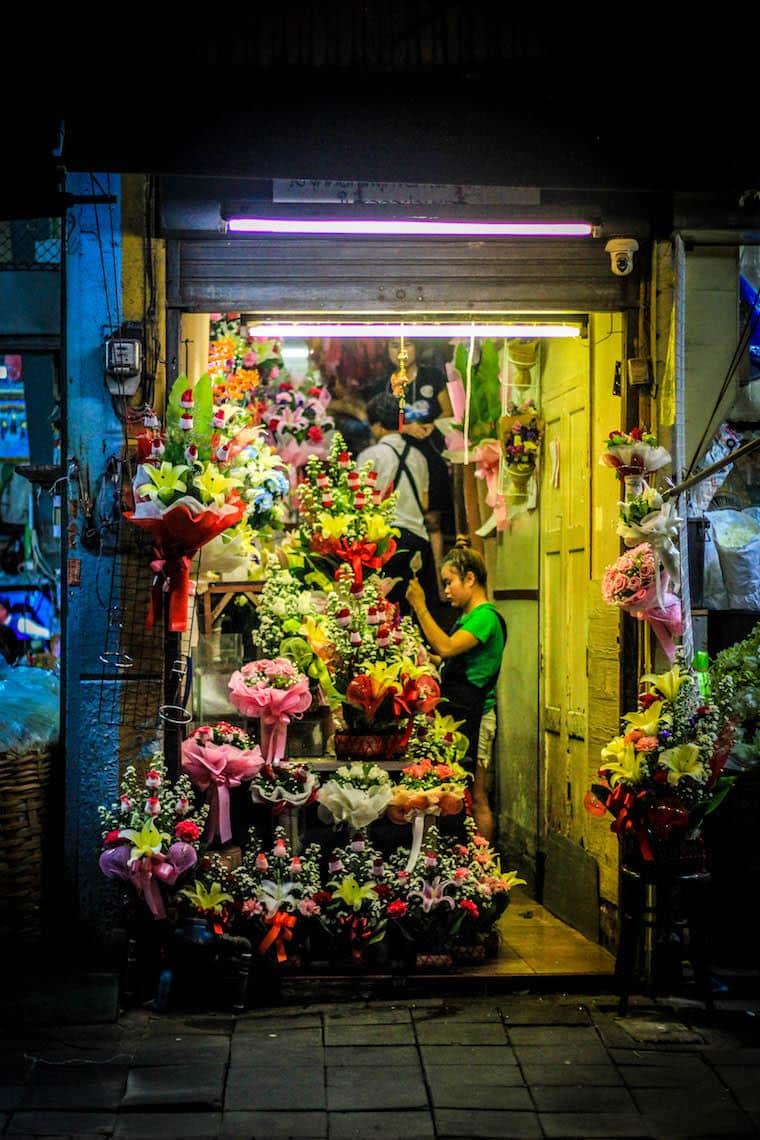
(463, 558)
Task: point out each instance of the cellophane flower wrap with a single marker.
(354, 899)
(636, 583)
(284, 784)
(276, 895)
(274, 691)
(435, 783)
(356, 794)
(217, 758)
(212, 472)
(151, 833)
(634, 453)
(647, 517)
(660, 774)
(343, 517)
(454, 895)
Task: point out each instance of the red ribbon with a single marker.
(280, 931)
(626, 806)
(172, 576)
(359, 932)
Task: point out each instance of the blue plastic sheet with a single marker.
(29, 708)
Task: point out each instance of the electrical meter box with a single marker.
(123, 365)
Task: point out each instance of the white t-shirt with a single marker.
(384, 457)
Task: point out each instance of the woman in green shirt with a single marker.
(472, 652)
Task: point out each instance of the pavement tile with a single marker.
(163, 1126)
(671, 1076)
(740, 1057)
(371, 1016)
(449, 1089)
(744, 1083)
(272, 1124)
(275, 1088)
(505, 1125)
(666, 1058)
(175, 1084)
(705, 1124)
(469, 1075)
(184, 1052)
(682, 1102)
(85, 1087)
(582, 1054)
(553, 1035)
(466, 1055)
(540, 1012)
(343, 1034)
(291, 1047)
(183, 1026)
(277, 1024)
(587, 1125)
(381, 1055)
(470, 1012)
(460, 1033)
(571, 1074)
(656, 1031)
(384, 1125)
(581, 1098)
(350, 1089)
(62, 1124)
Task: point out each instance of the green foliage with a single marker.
(485, 399)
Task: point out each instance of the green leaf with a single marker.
(173, 409)
(202, 413)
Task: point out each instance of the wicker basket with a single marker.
(24, 783)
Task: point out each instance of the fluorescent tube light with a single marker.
(413, 331)
(407, 228)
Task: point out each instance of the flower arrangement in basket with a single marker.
(521, 432)
(274, 896)
(217, 758)
(379, 699)
(151, 833)
(212, 472)
(353, 902)
(274, 691)
(298, 424)
(355, 794)
(636, 583)
(634, 453)
(660, 775)
(343, 517)
(450, 902)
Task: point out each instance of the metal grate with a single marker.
(30, 244)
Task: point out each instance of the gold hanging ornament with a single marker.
(400, 380)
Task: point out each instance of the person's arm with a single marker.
(439, 641)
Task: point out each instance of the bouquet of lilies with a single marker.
(634, 453)
(151, 833)
(343, 518)
(354, 900)
(659, 776)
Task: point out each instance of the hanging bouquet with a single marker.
(274, 691)
(521, 431)
(356, 794)
(635, 583)
(212, 472)
(354, 900)
(634, 453)
(298, 424)
(151, 833)
(660, 775)
(344, 518)
(453, 897)
(218, 758)
(485, 397)
(275, 895)
(647, 517)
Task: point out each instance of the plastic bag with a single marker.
(29, 699)
(724, 442)
(737, 539)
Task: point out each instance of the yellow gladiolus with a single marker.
(378, 528)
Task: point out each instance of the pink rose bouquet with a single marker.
(216, 759)
(274, 691)
(636, 584)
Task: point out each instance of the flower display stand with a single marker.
(664, 916)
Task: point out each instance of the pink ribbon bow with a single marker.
(487, 456)
(274, 707)
(663, 614)
(215, 768)
(147, 873)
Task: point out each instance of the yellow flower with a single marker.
(214, 486)
(147, 841)
(314, 631)
(352, 894)
(667, 683)
(647, 722)
(683, 760)
(209, 900)
(377, 528)
(621, 762)
(164, 481)
(334, 526)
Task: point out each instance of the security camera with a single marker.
(621, 251)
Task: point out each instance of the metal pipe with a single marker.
(745, 449)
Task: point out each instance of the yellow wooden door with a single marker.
(564, 502)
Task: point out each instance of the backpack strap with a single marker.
(402, 466)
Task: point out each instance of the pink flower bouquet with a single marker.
(217, 759)
(636, 584)
(274, 691)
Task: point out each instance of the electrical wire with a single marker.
(99, 239)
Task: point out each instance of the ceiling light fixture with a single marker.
(408, 329)
(407, 228)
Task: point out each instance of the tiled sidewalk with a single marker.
(522, 1066)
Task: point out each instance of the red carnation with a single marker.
(397, 909)
(322, 897)
(187, 831)
(314, 392)
(112, 837)
(647, 699)
(382, 890)
(272, 425)
(637, 434)
(315, 434)
(469, 906)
